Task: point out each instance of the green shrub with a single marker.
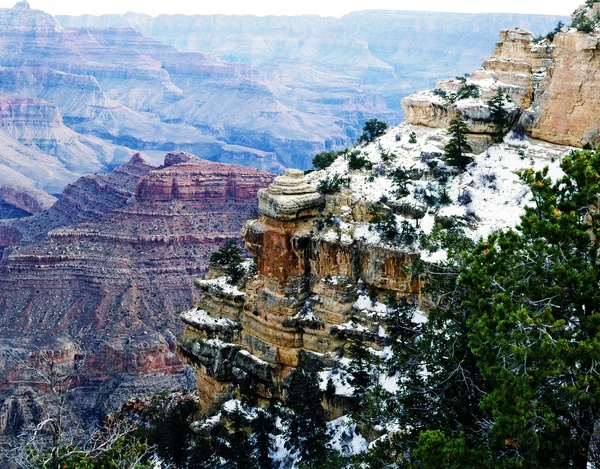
(386, 226)
(324, 159)
(584, 24)
(400, 179)
(333, 184)
(358, 161)
(468, 91)
(386, 156)
(373, 128)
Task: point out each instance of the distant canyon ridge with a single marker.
(80, 95)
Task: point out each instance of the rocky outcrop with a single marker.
(325, 269)
(289, 197)
(552, 89)
(192, 180)
(302, 297)
(31, 202)
(115, 257)
(564, 110)
(88, 199)
(510, 69)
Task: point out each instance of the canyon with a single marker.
(81, 95)
(108, 268)
(106, 262)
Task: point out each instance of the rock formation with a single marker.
(114, 257)
(303, 296)
(552, 89)
(325, 264)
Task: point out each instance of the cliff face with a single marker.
(115, 258)
(565, 109)
(324, 266)
(552, 89)
(108, 250)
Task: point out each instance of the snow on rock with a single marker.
(222, 284)
(365, 305)
(345, 439)
(201, 319)
(235, 405)
(488, 196)
(339, 378)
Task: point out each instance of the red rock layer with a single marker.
(125, 278)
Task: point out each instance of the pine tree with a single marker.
(229, 258)
(360, 369)
(307, 433)
(373, 128)
(535, 324)
(439, 384)
(511, 350)
(324, 159)
(164, 417)
(263, 427)
(458, 146)
(240, 455)
(499, 115)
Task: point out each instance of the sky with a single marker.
(294, 7)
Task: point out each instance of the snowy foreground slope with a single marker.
(497, 195)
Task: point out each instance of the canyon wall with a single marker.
(393, 52)
(112, 263)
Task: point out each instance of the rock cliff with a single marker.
(552, 88)
(324, 267)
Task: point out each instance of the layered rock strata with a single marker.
(303, 296)
(115, 258)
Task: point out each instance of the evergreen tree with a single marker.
(458, 146)
(511, 350)
(263, 427)
(535, 322)
(373, 128)
(399, 323)
(499, 115)
(307, 433)
(386, 226)
(240, 455)
(165, 416)
(229, 258)
(360, 369)
(324, 159)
